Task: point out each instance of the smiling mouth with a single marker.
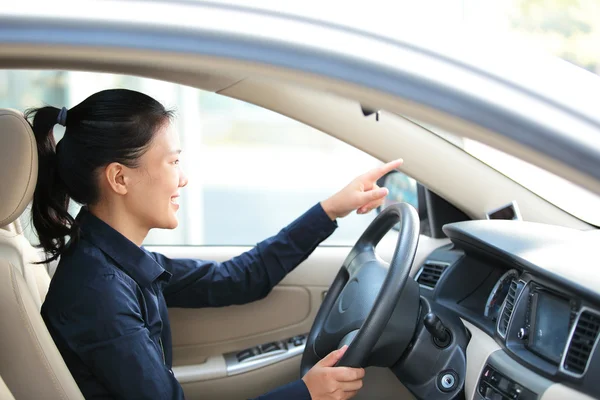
(175, 200)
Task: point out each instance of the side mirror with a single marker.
(434, 211)
(401, 189)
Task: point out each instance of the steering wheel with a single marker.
(365, 294)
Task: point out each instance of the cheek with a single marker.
(154, 189)
(171, 179)
(165, 183)
(147, 188)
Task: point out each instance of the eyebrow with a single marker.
(178, 151)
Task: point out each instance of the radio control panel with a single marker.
(495, 386)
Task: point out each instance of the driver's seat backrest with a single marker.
(15, 247)
(30, 365)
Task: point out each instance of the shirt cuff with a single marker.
(311, 228)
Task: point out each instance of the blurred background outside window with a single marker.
(251, 171)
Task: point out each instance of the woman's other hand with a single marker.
(362, 194)
(326, 382)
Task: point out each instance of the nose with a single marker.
(183, 179)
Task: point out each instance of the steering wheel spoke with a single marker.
(365, 294)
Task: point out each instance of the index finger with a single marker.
(378, 172)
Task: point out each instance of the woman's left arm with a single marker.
(251, 275)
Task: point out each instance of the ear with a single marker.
(114, 174)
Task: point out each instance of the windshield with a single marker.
(564, 194)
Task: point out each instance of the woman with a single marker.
(107, 304)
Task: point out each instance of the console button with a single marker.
(482, 388)
(486, 372)
(268, 347)
(497, 396)
(503, 384)
(296, 338)
(494, 379)
(244, 354)
(490, 393)
(516, 393)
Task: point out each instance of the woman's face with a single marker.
(153, 192)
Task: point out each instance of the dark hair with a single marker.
(115, 125)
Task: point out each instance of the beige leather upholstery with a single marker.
(15, 249)
(5, 393)
(31, 365)
(18, 174)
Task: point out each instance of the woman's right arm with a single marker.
(324, 381)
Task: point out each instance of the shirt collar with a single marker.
(134, 260)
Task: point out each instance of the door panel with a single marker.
(285, 306)
(201, 337)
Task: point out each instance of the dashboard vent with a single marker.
(582, 343)
(509, 305)
(430, 273)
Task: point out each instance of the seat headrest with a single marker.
(18, 165)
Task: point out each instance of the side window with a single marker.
(251, 171)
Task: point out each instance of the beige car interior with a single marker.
(26, 347)
(204, 338)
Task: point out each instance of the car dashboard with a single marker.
(532, 289)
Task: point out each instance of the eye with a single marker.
(176, 162)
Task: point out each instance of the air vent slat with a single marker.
(509, 304)
(430, 274)
(582, 343)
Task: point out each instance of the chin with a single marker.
(174, 223)
(168, 223)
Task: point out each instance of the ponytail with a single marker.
(50, 214)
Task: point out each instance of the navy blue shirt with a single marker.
(106, 308)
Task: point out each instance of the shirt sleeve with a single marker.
(112, 340)
(251, 275)
(296, 390)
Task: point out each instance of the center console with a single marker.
(547, 335)
(494, 385)
(547, 323)
(534, 325)
(503, 378)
